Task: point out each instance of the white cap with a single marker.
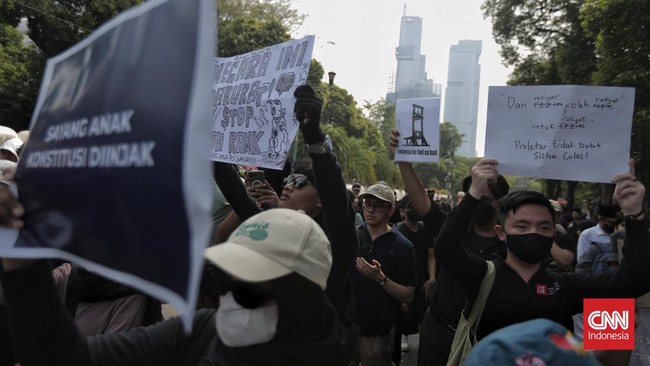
(5, 165)
(273, 244)
(23, 135)
(12, 145)
(6, 133)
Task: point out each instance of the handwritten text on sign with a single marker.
(564, 132)
(252, 104)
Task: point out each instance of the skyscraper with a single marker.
(461, 94)
(410, 80)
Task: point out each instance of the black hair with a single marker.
(500, 189)
(404, 202)
(514, 200)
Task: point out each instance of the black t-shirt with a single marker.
(422, 241)
(448, 298)
(375, 308)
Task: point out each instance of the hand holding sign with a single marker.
(566, 132)
(308, 108)
(484, 174)
(629, 192)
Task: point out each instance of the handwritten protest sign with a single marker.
(418, 122)
(252, 103)
(115, 175)
(566, 132)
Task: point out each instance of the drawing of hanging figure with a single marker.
(417, 136)
(279, 141)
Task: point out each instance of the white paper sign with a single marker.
(567, 132)
(418, 123)
(252, 110)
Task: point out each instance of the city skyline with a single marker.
(357, 41)
(410, 79)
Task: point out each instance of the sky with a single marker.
(357, 40)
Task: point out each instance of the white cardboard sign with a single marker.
(568, 132)
(418, 122)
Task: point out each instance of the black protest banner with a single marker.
(116, 174)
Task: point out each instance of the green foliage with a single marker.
(382, 114)
(316, 73)
(247, 25)
(54, 26)
(244, 34)
(597, 42)
(622, 30)
(21, 65)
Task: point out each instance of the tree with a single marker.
(597, 42)
(450, 169)
(54, 26)
(622, 30)
(20, 74)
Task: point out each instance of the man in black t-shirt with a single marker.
(448, 299)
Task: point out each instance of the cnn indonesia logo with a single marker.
(609, 324)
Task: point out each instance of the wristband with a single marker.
(637, 217)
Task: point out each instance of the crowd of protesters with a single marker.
(340, 277)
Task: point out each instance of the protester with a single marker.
(356, 189)
(320, 192)
(477, 236)
(563, 251)
(522, 289)
(273, 310)
(409, 319)
(600, 232)
(10, 148)
(6, 133)
(383, 279)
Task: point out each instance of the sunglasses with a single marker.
(298, 181)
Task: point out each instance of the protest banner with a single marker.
(253, 122)
(418, 123)
(567, 132)
(115, 175)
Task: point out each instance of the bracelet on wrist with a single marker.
(636, 217)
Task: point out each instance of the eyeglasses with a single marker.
(298, 181)
(377, 206)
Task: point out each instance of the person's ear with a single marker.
(498, 229)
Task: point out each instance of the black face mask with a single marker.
(483, 214)
(530, 248)
(608, 228)
(413, 216)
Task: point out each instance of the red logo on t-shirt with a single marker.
(609, 324)
(541, 289)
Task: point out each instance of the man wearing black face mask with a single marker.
(447, 299)
(425, 267)
(522, 289)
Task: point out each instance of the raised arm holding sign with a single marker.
(252, 106)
